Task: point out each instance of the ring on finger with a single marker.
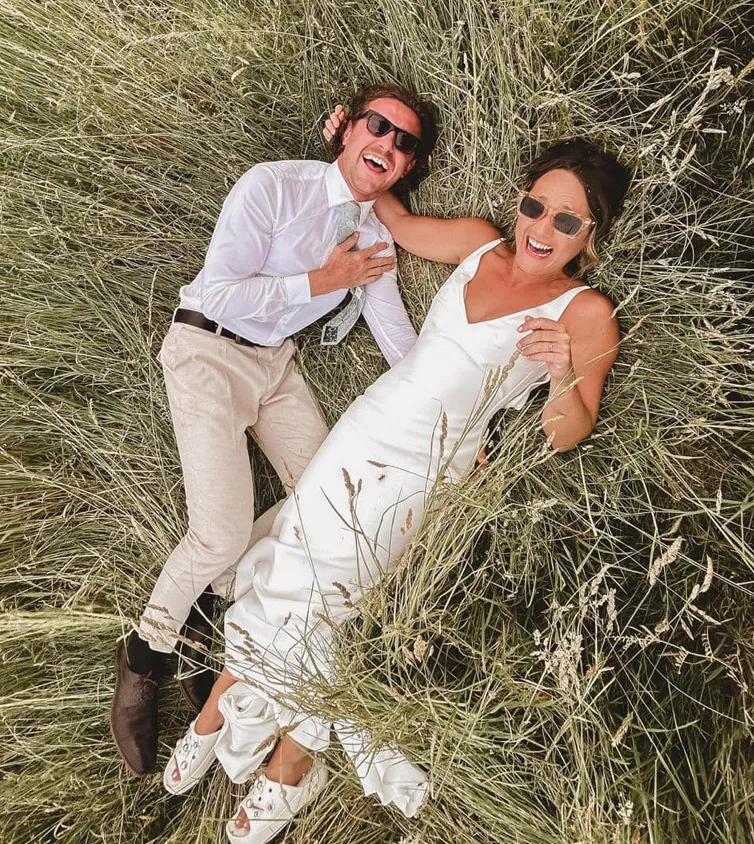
(549, 347)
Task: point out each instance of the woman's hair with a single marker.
(605, 181)
(423, 109)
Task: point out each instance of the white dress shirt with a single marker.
(279, 222)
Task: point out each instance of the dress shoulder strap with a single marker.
(471, 261)
(564, 300)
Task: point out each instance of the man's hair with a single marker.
(422, 108)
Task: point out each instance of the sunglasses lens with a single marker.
(531, 207)
(405, 141)
(378, 125)
(567, 223)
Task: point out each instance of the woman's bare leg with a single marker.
(288, 764)
(209, 719)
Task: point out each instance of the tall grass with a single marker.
(567, 645)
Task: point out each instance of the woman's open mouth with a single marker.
(537, 249)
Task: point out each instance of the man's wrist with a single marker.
(320, 282)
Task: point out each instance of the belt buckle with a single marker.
(241, 341)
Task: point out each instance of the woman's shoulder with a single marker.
(590, 312)
(590, 302)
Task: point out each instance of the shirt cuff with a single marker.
(297, 286)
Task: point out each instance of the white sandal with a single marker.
(269, 805)
(194, 755)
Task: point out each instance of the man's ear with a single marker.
(409, 168)
(347, 132)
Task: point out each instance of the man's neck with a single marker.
(358, 197)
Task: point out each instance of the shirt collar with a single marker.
(338, 191)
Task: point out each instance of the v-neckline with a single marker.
(466, 283)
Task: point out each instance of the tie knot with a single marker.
(349, 220)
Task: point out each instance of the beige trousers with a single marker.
(216, 390)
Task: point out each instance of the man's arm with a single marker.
(231, 286)
(386, 316)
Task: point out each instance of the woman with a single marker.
(509, 318)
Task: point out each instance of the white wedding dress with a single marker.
(354, 509)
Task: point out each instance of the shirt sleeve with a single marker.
(231, 286)
(385, 312)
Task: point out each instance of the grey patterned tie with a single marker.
(335, 329)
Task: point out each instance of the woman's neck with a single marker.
(516, 277)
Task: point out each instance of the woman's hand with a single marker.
(334, 122)
(482, 461)
(548, 341)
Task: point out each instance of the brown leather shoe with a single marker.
(133, 715)
(196, 684)
(194, 677)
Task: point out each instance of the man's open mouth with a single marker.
(537, 249)
(375, 163)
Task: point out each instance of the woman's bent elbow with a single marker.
(565, 442)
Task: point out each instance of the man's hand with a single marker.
(333, 122)
(345, 269)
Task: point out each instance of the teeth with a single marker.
(537, 245)
(376, 160)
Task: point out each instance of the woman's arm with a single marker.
(584, 347)
(447, 241)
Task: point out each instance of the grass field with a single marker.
(568, 646)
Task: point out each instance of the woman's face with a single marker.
(540, 248)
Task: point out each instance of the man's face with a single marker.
(372, 165)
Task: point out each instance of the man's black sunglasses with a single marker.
(379, 126)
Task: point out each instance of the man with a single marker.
(283, 254)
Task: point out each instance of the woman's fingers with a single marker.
(542, 334)
(333, 122)
(545, 346)
(546, 341)
(531, 323)
(548, 357)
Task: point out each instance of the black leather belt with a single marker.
(198, 320)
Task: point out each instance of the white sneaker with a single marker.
(270, 805)
(194, 755)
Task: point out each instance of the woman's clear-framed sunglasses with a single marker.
(566, 222)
